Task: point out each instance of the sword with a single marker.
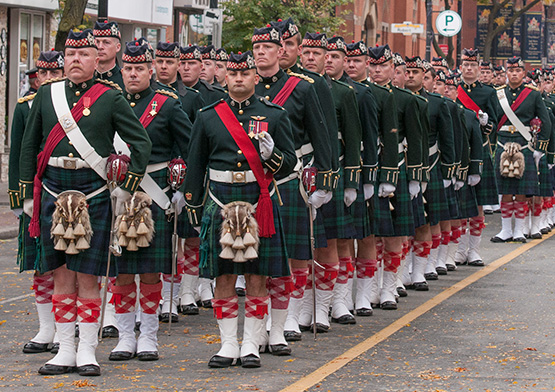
(175, 244)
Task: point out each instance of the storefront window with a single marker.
(31, 33)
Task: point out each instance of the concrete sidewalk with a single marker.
(9, 224)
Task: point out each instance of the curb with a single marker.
(9, 232)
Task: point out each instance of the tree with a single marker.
(242, 17)
(72, 12)
(450, 47)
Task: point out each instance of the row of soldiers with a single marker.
(287, 167)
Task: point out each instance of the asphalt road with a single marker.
(494, 334)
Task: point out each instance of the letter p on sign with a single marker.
(448, 23)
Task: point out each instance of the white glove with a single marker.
(458, 185)
(329, 196)
(414, 189)
(474, 179)
(266, 144)
(28, 207)
(179, 201)
(314, 212)
(17, 212)
(550, 166)
(197, 229)
(385, 189)
(121, 197)
(446, 183)
(537, 156)
(424, 186)
(350, 196)
(317, 199)
(368, 191)
(483, 117)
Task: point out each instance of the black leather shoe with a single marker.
(374, 306)
(421, 286)
(441, 270)
(89, 370)
(461, 263)
(497, 239)
(545, 230)
(292, 336)
(536, 236)
(223, 362)
(364, 312)
(279, 350)
(34, 347)
(488, 212)
(148, 356)
(137, 326)
(345, 319)
(250, 361)
(191, 309)
(402, 292)
(431, 276)
(55, 348)
(304, 328)
(52, 370)
(76, 330)
(165, 318)
(451, 267)
(110, 331)
(476, 263)
(320, 328)
(207, 304)
(520, 239)
(240, 291)
(389, 305)
(121, 356)
(409, 286)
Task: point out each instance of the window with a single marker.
(31, 42)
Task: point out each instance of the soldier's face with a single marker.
(400, 76)
(547, 85)
(45, 74)
(291, 51)
(335, 64)
(190, 71)
(166, 69)
(314, 59)
(439, 87)
(516, 75)
(415, 77)
(486, 76)
(240, 83)
(356, 67)
(451, 92)
(500, 78)
(428, 81)
(136, 77)
(208, 70)
(80, 63)
(108, 48)
(470, 71)
(220, 72)
(381, 73)
(266, 54)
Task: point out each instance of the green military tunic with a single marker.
(113, 75)
(108, 115)
(191, 99)
(209, 92)
(213, 148)
(170, 130)
(532, 107)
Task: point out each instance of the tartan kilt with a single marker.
(94, 260)
(184, 227)
(546, 182)
(468, 206)
(437, 204)
(28, 248)
(528, 185)
(158, 256)
(487, 189)
(272, 260)
(552, 173)
(451, 195)
(419, 211)
(401, 218)
(362, 213)
(338, 222)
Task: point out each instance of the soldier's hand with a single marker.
(458, 185)
(197, 229)
(446, 183)
(385, 189)
(414, 189)
(368, 191)
(266, 144)
(550, 166)
(474, 179)
(17, 212)
(28, 207)
(121, 197)
(318, 198)
(179, 201)
(350, 196)
(537, 156)
(483, 117)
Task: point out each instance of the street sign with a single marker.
(407, 28)
(448, 23)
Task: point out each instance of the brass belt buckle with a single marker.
(239, 176)
(70, 163)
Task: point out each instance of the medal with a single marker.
(86, 112)
(153, 112)
(86, 104)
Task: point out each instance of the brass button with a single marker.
(239, 152)
(70, 143)
(267, 87)
(239, 164)
(267, 97)
(241, 111)
(132, 104)
(241, 123)
(77, 93)
(75, 103)
(70, 155)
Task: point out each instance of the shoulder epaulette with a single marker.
(309, 72)
(404, 90)
(192, 90)
(501, 87)
(109, 83)
(211, 105)
(271, 104)
(50, 81)
(421, 97)
(168, 93)
(342, 83)
(532, 87)
(301, 76)
(382, 87)
(27, 98)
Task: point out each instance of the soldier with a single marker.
(313, 148)
(50, 65)
(440, 64)
(190, 68)
(108, 41)
(34, 82)
(168, 126)
(481, 99)
(73, 160)
(251, 134)
(221, 61)
(500, 77)
(520, 138)
(486, 73)
(209, 57)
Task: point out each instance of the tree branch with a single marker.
(513, 18)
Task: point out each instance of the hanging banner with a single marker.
(550, 36)
(532, 50)
(503, 44)
(483, 12)
(517, 36)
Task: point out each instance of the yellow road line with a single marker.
(337, 363)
